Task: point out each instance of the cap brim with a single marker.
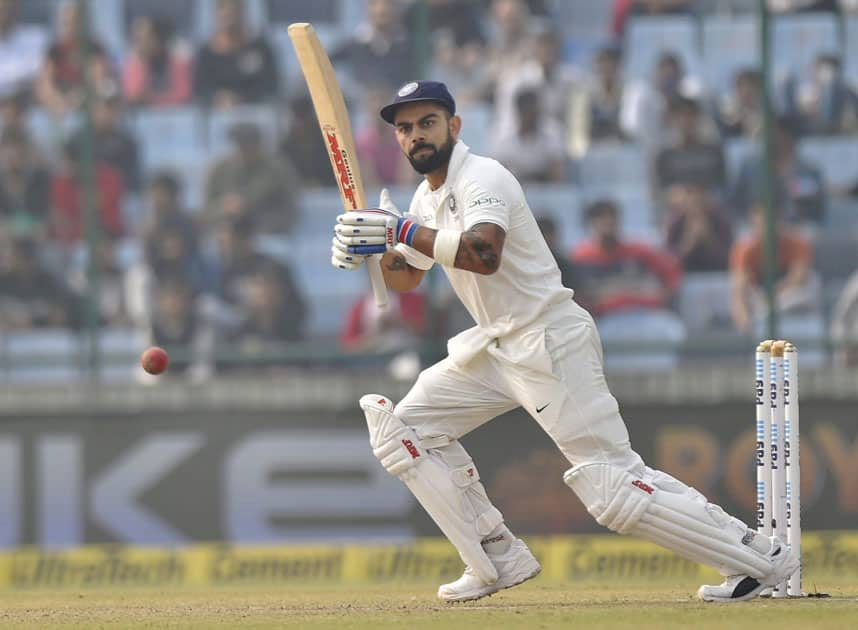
(388, 112)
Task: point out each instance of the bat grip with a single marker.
(376, 278)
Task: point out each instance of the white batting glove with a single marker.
(375, 230)
(342, 258)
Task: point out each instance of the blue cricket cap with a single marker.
(419, 91)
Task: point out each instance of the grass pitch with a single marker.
(412, 606)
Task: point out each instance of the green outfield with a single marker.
(412, 606)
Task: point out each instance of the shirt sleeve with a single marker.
(486, 201)
(415, 258)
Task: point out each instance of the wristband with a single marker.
(406, 229)
(446, 247)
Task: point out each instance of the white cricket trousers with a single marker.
(552, 368)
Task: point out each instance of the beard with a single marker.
(438, 157)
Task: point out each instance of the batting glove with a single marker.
(375, 230)
(342, 258)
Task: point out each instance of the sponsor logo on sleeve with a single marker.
(487, 201)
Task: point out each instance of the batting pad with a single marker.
(451, 494)
(662, 509)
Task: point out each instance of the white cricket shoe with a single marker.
(515, 566)
(740, 588)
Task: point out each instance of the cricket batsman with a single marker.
(533, 347)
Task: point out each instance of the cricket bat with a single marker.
(336, 131)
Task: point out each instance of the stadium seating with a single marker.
(169, 137)
(850, 55)
(204, 16)
(638, 340)
(120, 349)
(220, 123)
(798, 39)
(837, 157)
(736, 151)
(704, 301)
(608, 165)
(476, 127)
(107, 26)
(50, 132)
(730, 44)
(649, 37)
(39, 356)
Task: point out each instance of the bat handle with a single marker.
(376, 278)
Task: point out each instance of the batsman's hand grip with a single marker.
(376, 278)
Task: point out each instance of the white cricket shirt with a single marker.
(527, 283)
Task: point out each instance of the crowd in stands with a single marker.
(178, 255)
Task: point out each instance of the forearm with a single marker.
(398, 274)
(795, 277)
(477, 252)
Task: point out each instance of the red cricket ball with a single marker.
(155, 360)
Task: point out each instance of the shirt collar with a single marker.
(461, 151)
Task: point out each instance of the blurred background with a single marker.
(163, 182)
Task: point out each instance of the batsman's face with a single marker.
(426, 134)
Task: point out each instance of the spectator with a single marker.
(24, 184)
(168, 250)
(239, 261)
(844, 324)
(251, 182)
(379, 152)
(458, 42)
(797, 290)
(568, 271)
(803, 6)
(698, 233)
(619, 275)
(111, 297)
(398, 328)
(30, 296)
(644, 111)
(179, 326)
(379, 47)
(534, 151)
(113, 143)
(740, 113)
(824, 103)
(544, 71)
(21, 51)
(67, 220)
(163, 197)
(273, 311)
(304, 148)
(157, 72)
(596, 109)
(690, 160)
(60, 85)
(170, 241)
(13, 111)
(624, 9)
(798, 185)
(234, 67)
(510, 47)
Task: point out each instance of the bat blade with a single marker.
(336, 131)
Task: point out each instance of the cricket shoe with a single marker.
(740, 588)
(515, 566)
